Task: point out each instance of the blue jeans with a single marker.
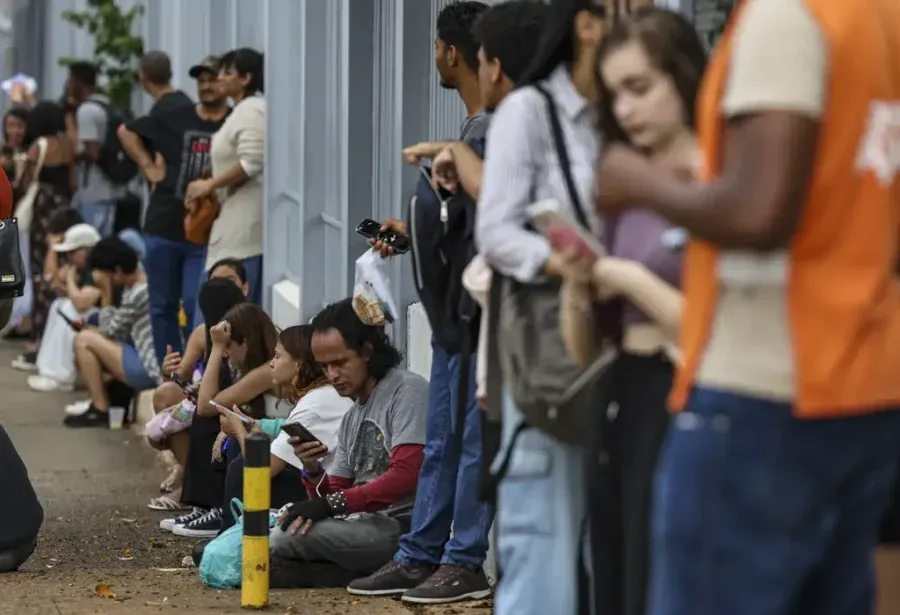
(448, 481)
(99, 214)
(759, 513)
(541, 522)
(173, 272)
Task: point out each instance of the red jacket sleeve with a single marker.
(395, 485)
(6, 196)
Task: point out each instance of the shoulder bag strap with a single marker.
(562, 153)
(42, 155)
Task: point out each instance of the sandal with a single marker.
(169, 485)
(166, 503)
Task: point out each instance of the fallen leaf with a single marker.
(48, 565)
(105, 591)
(125, 559)
(169, 569)
(479, 604)
(126, 520)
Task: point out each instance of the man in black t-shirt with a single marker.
(171, 145)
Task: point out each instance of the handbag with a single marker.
(24, 209)
(199, 220)
(553, 393)
(12, 267)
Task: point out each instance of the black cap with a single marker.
(210, 64)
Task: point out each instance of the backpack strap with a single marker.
(565, 163)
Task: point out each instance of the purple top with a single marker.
(641, 236)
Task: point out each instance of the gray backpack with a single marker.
(554, 394)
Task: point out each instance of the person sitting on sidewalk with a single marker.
(352, 521)
(21, 520)
(100, 349)
(78, 298)
(236, 373)
(217, 296)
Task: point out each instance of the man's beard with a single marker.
(212, 104)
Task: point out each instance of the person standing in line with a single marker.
(542, 507)
(96, 194)
(777, 472)
(171, 146)
(238, 152)
(428, 568)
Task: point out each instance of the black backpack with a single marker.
(113, 161)
(441, 229)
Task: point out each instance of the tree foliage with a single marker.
(116, 49)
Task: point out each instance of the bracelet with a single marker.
(318, 475)
(337, 502)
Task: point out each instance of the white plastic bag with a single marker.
(372, 299)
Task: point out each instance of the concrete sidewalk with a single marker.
(94, 485)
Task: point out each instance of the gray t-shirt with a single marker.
(393, 415)
(475, 126)
(93, 185)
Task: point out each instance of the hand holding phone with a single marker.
(245, 420)
(188, 390)
(388, 238)
(298, 431)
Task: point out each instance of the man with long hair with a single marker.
(374, 467)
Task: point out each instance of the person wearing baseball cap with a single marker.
(77, 237)
(172, 148)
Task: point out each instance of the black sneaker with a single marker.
(392, 579)
(207, 526)
(89, 418)
(450, 584)
(169, 524)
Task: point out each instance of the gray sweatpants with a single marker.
(362, 542)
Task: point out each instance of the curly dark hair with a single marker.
(672, 45)
(359, 337)
(46, 119)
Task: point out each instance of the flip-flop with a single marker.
(166, 503)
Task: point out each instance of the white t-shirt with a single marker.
(320, 411)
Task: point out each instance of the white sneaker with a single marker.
(22, 364)
(169, 524)
(78, 408)
(45, 384)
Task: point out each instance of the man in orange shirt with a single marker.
(775, 476)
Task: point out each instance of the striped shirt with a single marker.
(521, 167)
(130, 323)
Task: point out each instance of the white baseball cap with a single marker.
(77, 237)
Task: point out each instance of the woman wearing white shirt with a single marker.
(238, 158)
(318, 407)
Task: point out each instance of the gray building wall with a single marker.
(348, 83)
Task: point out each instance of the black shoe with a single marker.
(392, 579)
(89, 418)
(451, 584)
(207, 526)
(197, 551)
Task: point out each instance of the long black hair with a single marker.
(557, 42)
(216, 297)
(359, 337)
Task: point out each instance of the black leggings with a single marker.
(204, 479)
(621, 486)
(287, 487)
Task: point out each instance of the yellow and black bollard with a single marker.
(257, 497)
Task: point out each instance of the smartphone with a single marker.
(219, 406)
(188, 389)
(76, 326)
(371, 229)
(549, 219)
(296, 430)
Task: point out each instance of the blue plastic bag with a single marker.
(220, 567)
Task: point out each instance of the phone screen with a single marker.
(219, 406)
(75, 325)
(296, 430)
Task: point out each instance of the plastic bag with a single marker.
(168, 422)
(372, 299)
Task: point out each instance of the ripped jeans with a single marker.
(759, 513)
(541, 523)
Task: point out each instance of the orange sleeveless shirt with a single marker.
(842, 292)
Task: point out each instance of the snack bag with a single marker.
(372, 299)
